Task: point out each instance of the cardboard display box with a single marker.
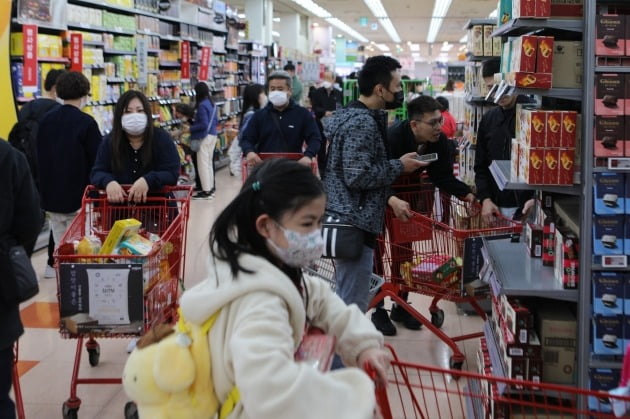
(609, 194)
(557, 327)
(610, 94)
(610, 136)
(611, 35)
(601, 379)
(608, 293)
(608, 234)
(568, 59)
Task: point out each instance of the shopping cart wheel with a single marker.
(69, 412)
(94, 355)
(437, 318)
(131, 411)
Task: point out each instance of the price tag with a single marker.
(615, 261)
(618, 163)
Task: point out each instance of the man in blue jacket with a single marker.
(282, 126)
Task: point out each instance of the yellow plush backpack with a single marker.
(169, 374)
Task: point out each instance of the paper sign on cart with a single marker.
(109, 295)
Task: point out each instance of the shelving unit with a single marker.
(500, 170)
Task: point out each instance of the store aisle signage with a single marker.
(142, 57)
(76, 52)
(204, 64)
(29, 80)
(185, 54)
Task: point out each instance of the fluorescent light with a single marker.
(377, 9)
(314, 8)
(242, 16)
(462, 48)
(241, 34)
(440, 9)
(414, 47)
(315, 24)
(382, 47)
(494, 13)
(276, 19)
(390, 29)
(276, 34)
(464, 39)
(446, 47)
(387, 54)
(347, 29)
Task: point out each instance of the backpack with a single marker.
(23, 135)
(169, 374)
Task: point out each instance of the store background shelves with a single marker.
(516, 27)
(501, 172)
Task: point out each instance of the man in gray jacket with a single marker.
(360, 170)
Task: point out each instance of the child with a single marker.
(258, 244)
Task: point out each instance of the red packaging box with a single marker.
(529, 80)
(627, 34)
(567, 8)
(609, 136)
(627, 138)
(627, 95)
(532, 165)
(550, 170)
(553, 136)
(544, 56)
(549, 234)
(611, 35)
(610, 94)
(566, 265)
(523, 8)
(566, 168)
(534, 369)
(533, 127)
(543, 8)
(518, 320)
(524, 50)
(569, 129)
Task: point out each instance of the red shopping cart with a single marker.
(265, 156)
(131, 292)
(421, 255)
(421, 391)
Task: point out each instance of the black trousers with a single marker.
(7, 407)
(51, 249)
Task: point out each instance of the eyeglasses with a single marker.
(433, 122)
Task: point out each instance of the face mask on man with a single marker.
(399, 97)
(278, 98)
(134, 123)
(302, 250)
(326, 85)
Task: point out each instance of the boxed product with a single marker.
(611, 35)
(477, 40)
(120, 231)
(627, 194)
(518, 319)
(524, 50)
(608, 335)
(487, 40)
(549, 239)
(533, 239)
(627, 95)
(610, 136)
(497, 45)
(514, 159)
(535, 369)
(568, 58)
(135, 244)
(533, 126)
(544, 55)
(551, 170)
(515, 368)
(566, 168)
(609, 193)
(626, 240)
(553, 129)
(568, 137)
(557, 327)
(529, 80)
(567, 8)
(609, 94)
(511, 347)
(566, 261)
(504, 11)
(532, 164)
(602, 380)
(530, 8)
(608, 232)
(608, 293)
(626, 331)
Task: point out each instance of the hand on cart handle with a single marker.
(470, 198)
(410, 164)
(489, 210)
(138, 191)
(402, 209)
(306, 161)
(115, 192)
(253, 159)
(376, 361)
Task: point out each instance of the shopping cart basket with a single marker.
(324, 269)
(265, 156)
(421, 391)
(133, 292)
(421, 255)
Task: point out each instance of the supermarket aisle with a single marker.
(46, 360)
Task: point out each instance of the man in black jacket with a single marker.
(325, 101)
(20, 223)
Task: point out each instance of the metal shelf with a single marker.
(599, 361)
(598, 267)
(118, 52)
(611, 69)
(474, 407)
(88, 27)
(516, 27)
(517, 274)
(503, 182)
(571, 94)
(473, 22)
(495, 357)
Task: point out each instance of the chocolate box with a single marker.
(566, 262)
(626, 240)
(608, 293)
(477, 40)
(627, 95)
(608, 233)
(532, 165)
(609, 193)
(608, 337)
(487, 40)
(610, 35)
(626, 143)
(610, 94)
(566, 8)
(568, 137)
(523, 8)
(533, 239)
(566, 168)
(554, 129)
(610, 136)
(626, 331)
(518, 319)
(529, 80)
(627, 195)
(549, 237)
(512, 348)
(533, 127)
(551, 169)
(544, 55)
(535, 369)
(524, 51)
(602, 380)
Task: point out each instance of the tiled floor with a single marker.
(46, 360)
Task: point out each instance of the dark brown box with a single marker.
(627, 87)
(611, 35)
(610, 94)
(518, 319)
(627, 137)
(535, 369)
(610, 135)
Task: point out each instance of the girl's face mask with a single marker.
(302, 250)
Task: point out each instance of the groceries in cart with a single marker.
(442, 269)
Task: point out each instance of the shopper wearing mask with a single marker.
(135, 153)
(67, 142)
(204, 129)
(282, 126)
(325, 101)
(297, 88)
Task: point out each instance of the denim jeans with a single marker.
(353, 278)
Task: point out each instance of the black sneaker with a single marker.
(399, 314)
(382, 322)
(203, 195)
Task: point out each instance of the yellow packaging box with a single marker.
(119, 232)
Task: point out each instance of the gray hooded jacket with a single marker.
(359, 172)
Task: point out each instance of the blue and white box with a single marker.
(626, 296)
(608, 234)
(608, 336)
(627, 192)
(602, 379)
(609, 193)
(608, 293)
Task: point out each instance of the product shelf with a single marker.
(95, 28)
(558, 93)
(610, 362)
(520, 26)
(117, 52)
(501, 172)
(612, 69)
(474, 22)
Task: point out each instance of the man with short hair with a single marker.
(297, 88)
(325, 101)
(361, 171)
(282, 126)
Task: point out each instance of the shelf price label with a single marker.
(185, 54)
(204, 64)
(142, 54)
(29, 76)
(76, 51)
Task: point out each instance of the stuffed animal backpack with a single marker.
(169, 374)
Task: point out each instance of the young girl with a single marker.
(259, 244)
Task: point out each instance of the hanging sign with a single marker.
(185, 55)
(29, 76)
(76, 52)
(204, 65)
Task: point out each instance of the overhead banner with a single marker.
(29, 76)
(204, 64)
(185, 55)
(76, 52)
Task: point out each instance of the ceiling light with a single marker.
(315, 24)
(377, 9)
(440, 9)
(382, 47)
(314, 8)
(464, 39)
(242, 16)
(276, 34)
(493, 13)
(347, 29)
(387, 54)
(241, 34)
(414, 47)
(462, 48)
(276, 19)
(446, 47)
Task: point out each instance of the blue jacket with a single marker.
(67, 143)
(298, 125)
(162, 171)
(202, 125)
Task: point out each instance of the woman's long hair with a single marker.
(251, 95)
(202, 92)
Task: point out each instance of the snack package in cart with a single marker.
(442, 269)
(316, 349)
(119, 232)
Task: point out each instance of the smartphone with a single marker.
(427, 157)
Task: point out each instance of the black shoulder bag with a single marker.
(19, 280)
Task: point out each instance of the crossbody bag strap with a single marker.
(277, 122)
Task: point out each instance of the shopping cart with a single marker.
(264, 156)
(17, 389)
(324, 269)
(148, 284)
(421, 255)
(421, 391)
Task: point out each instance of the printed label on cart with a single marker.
(109, 295)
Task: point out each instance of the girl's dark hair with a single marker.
(275, 187)
(202, 92)
(120, 144)
(250, 99)
(186, 110)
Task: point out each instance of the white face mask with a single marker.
(134, 123)
(302, 250)
(326, 85)
(278, 98)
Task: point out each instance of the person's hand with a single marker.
(253, 159)
(306, 161)
(401, 208)
(328, 113)
(115, 192)
(410, 164)
(379, 359)
(528, 208)
(488, 210)
(470, 197)
(138, 191)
